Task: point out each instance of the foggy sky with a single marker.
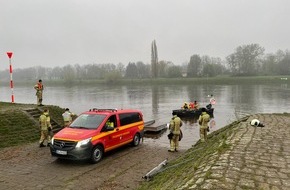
(60, 32)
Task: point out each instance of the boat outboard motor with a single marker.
(209, 106)
(257, 123)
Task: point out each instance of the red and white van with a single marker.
(89, 136)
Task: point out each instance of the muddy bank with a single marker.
(120, 169)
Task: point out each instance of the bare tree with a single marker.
(246, 59)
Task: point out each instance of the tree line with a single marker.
(246, 60)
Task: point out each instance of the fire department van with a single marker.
(97, 131)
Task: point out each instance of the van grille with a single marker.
(62, 144)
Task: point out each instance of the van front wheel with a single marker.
(136, 140)
(97, 154)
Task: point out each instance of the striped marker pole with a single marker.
(11, 80)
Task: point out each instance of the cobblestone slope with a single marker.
(258, 158)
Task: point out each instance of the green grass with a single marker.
(17, 127)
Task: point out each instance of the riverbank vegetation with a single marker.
(220, 80)
(246, 60)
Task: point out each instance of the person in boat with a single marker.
(174, 127)
(191, 105)
(209, 106)
(203, 122)
(196, 105)
(185, 106)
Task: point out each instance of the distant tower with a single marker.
(154, 60)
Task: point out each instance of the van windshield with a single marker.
(86, 121)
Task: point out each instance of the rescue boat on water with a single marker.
(183, 113)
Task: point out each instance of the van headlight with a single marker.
(52, 140)
(83, 142)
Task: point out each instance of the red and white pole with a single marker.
(11, 80)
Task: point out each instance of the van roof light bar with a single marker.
(103, 110)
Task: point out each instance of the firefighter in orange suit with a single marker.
(39, 91)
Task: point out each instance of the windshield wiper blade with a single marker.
(79, 127)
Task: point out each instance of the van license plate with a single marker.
(61, 152)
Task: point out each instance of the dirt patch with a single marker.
(120, 169)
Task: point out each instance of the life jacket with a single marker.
(40, 86)
(191, 105)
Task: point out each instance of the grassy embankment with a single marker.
(17, 127)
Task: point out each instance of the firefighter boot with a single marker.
(41, 144)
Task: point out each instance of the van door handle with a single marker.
(117, 129)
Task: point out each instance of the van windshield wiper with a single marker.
(79, 127)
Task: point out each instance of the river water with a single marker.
(157, 102)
